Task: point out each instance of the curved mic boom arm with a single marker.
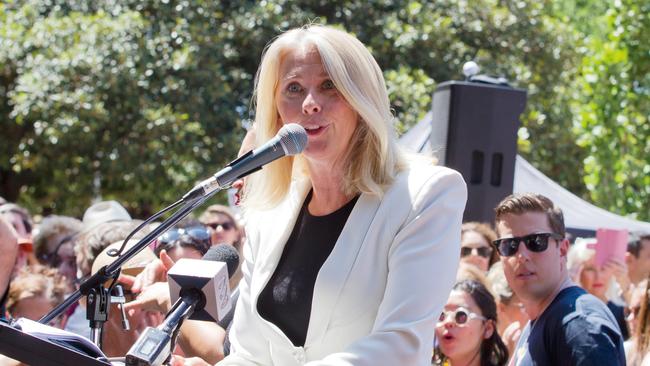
(111, 270)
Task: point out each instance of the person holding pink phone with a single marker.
(599, 280)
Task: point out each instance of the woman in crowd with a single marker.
(223, 226)
(468, 271)
(35, 291)
(598, 280)
(466, 332)
(638, 319)
(475, 245)
(22, 223)
(54, 245)
(342, 239)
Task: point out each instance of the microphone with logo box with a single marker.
(200, 290)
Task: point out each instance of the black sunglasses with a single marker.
(197, 233)
(484, 252)
(224, 225)
(534, 242)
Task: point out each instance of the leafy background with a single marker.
(136, 100)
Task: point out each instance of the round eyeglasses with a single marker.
(459, 316)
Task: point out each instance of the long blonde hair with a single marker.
(373, 157)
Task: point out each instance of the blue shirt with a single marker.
(575, 329)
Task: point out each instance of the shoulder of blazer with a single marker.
(423, 174)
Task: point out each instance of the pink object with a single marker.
(610, 243)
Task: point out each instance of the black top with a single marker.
(619, 314)
(286, 299)
(575, 329)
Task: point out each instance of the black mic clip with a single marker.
(203, 188)
(98, 301)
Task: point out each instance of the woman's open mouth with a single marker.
(314, 130)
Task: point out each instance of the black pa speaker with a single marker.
(475, 132)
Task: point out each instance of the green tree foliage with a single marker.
(611, 112)
(135, 100)
(130, 100)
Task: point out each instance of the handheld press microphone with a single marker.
(189, 275)
(291, 139)
(200, 290)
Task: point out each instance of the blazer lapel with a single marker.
(335, 270)
(279, 223)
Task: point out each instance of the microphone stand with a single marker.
(93, 288)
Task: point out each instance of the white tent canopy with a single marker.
(578, 213)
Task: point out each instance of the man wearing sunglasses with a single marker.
(568, 326)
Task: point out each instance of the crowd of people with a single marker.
(482, 322)
(55, 255)
(547, 300)
(353, 253)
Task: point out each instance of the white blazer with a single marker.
(378, 295)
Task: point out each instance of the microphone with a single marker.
(291, 139)
(209, 278)
(200, 290)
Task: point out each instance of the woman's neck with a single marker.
(327, 184)
(470, 359)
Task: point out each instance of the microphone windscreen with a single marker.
(223, 253)
(293, 138)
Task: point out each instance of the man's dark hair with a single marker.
(521, 203)
(634, 246)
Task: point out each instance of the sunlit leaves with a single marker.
(145, 97)
(611, 113)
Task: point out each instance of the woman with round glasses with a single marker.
(466, 331)
(476, 245)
